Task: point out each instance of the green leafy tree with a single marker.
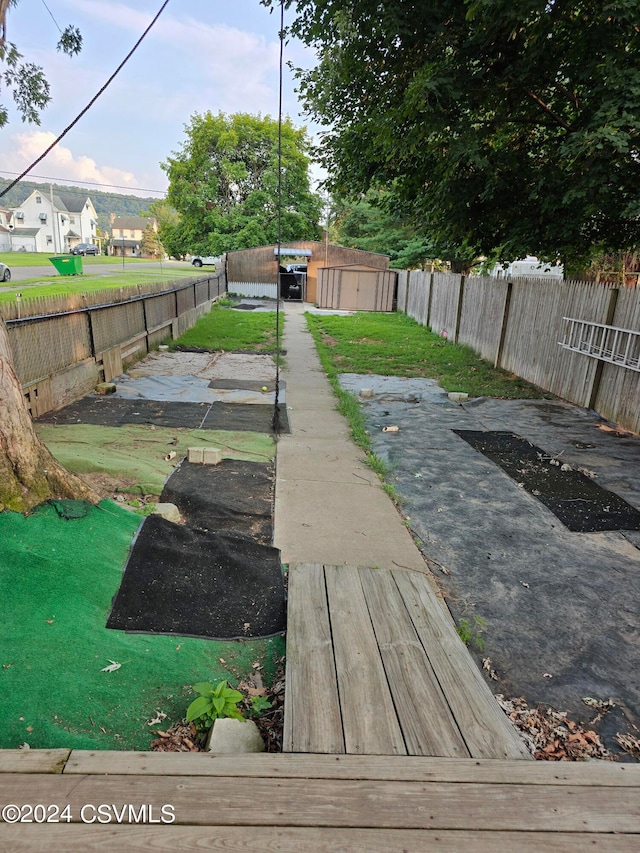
(508, 125)
(25, 80)
(373, 224)
(224, 179)
(151, 245)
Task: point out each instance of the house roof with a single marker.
(132, 222)
(25, 232)
(70, 202)
(71, 234)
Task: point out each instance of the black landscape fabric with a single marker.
(116, 411)
(581, 504)
(190, 583)
(233, 496)
(245, 384)
(247, 417)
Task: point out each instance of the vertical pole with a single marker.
(427, 319)
(53, 221)
(505, 323)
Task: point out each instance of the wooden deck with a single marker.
(375, 667)
(312, 803)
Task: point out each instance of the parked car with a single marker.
(201, 260)
(5, 273)
(85, 249)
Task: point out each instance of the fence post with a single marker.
(456, 333)
(427, 319)
(406, 290)
(505, 323)
(597, 374)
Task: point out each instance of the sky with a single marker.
(217, 55)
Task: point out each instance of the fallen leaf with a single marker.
(112, 667)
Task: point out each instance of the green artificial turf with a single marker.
(57, 581)
(395, 345)
(132, 458)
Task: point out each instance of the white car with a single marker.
(5, 273)
(201, 260)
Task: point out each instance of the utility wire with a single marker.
(275, 421)
(89, 105)
(51, 13)
(72, 188)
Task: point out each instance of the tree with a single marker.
(28, 472)
(224, 183)
(373, 224)
(151, 245)
(25, 80)
(508, 125)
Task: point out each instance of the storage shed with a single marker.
(254, 272)
(356, 287)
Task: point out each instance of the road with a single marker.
(26, 273)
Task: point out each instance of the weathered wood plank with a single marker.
(487, 731)
(369, 719)
(428, 726)
(63, 838)
(373, 767)
(313, 721)
(341, 803)
(33, 760)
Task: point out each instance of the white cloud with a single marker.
(61, 162)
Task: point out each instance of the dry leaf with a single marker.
(112, 667)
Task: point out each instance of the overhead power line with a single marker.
(89, 183)
(89, 105)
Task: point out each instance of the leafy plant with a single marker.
(214, 701)
(259, 704)
(470, 632)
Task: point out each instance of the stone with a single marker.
(230, 735)
(106, 388)
(204, 455)
(168, 511)
(366, 393)
(458, 396)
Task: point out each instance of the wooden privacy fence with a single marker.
(65, 346)
(524, 327)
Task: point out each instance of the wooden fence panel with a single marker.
(41, 348)
(160, 309)
(117, 324)
(618, 397)
(403, 290)
(419, 284)
(444, 303)
(483, 310)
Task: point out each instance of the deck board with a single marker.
(311, 696)
(487, 731)
(424, 714)
(381, 642)
(374, 767)
(343, 803)
(63, 838)
(369, 717)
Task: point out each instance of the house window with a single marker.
(43, 217)
(72, 220)
(38, 199)
(19, 215)
(49, 239)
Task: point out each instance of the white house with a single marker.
(40, 226)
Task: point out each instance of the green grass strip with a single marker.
(395, 345)
(233, 331)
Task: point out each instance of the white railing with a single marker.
(606, 343)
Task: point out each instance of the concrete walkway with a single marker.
(330, 507)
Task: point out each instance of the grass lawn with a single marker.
(57, 285)
(233, 331)
(395, 345)
(41, 259)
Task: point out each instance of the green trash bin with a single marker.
(68, 264)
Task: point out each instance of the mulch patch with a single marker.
(580, 504)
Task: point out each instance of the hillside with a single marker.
(105, 203)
